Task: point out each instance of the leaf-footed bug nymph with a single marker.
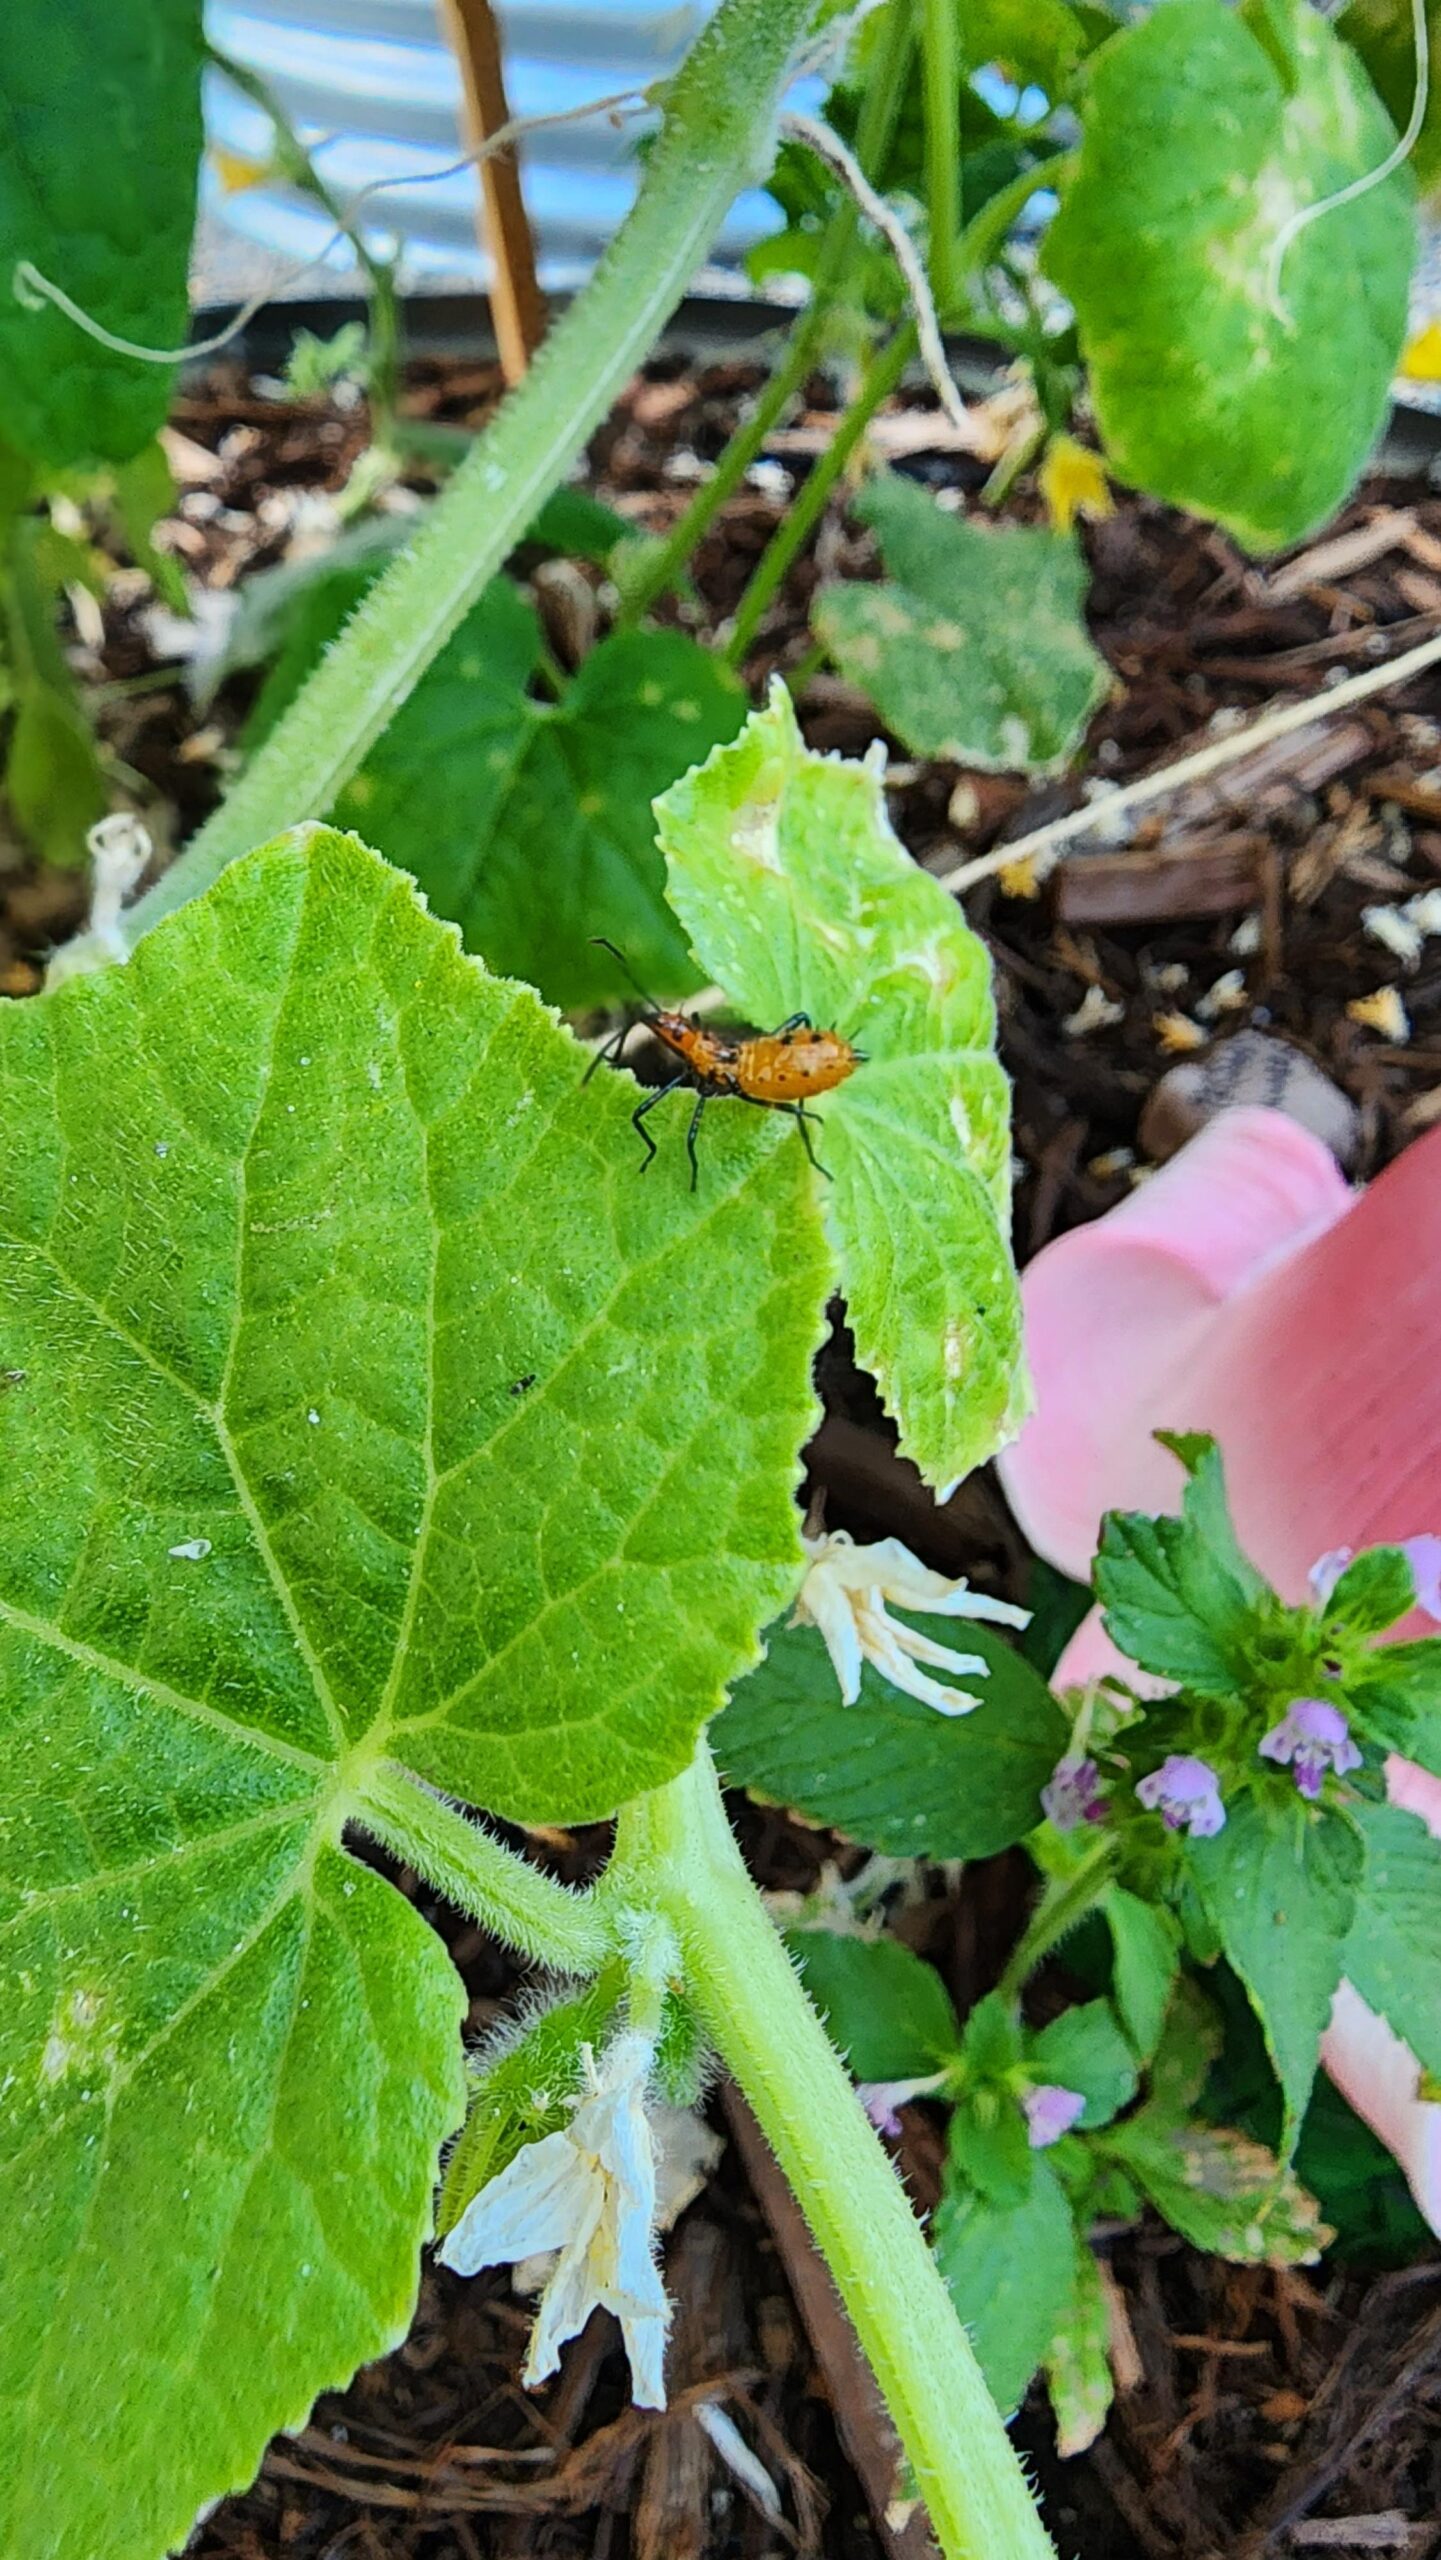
(778, 1070)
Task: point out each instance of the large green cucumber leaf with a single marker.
(356, 1400)
(530, 822)
(1204, 129)
(100, 139)
(795, 893)
(974, 647)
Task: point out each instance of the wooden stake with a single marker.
(502, 226)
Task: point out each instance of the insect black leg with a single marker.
(797, 1111)
(637, 1117)
(690, 1138)
(609, 1052)
(793, 1022)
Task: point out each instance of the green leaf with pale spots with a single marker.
(975, 647)
(1078, 2359)
(530, 822)
(795, 894)
(355, 1401)
(1204, 129)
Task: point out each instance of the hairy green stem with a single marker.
(880, 107)
(675, 1850)
(1061, 1908)
(796, 525)
(714, 139)
(480, 1875)
(941, 82)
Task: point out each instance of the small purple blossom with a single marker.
(1186, 1793)
(1072, 1794)
(1050, 2111)
(883, 2099)
(1326, 1572)
(1423, 1555)
(1313, 1737)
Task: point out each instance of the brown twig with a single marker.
(516, 306)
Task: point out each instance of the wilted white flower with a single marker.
(589, 2192)
(844, 1594)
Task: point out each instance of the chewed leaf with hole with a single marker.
(796, 894)
(99, 152)
(974, 647)
(360, 1404)
(1220, 383)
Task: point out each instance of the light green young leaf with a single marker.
(530, 823)
(1085, 2050)
(1393, 1955)
(1279, 1884)
(975, 648)
(889, 1771)
(794, 892)
(1375, 1590)
(1204, 129)
(100, 139)
(1222, 2191)
(377, 1414)
(1078, 2359)
(1146, 1957)
(1009, 2270)
(884, 2006)
(1179, 1596)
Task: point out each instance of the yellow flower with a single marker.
(1073, 483)
(1422, 359)
(235, 172)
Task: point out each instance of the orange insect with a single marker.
(779, 1070)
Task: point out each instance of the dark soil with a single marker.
(1265, 2411)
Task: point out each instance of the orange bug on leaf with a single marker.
(778, 1070)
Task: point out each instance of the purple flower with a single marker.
(1326, 1572)
(1050, 2112)
(1423, 1555)
(882, 2100)
(1313, 1737)
(1072, 1794)
(1186, 1794)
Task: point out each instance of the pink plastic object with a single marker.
(1246, 1291)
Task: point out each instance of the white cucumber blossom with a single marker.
(845, 1593)
(589, 2192)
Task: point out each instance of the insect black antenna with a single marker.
(648, 1000)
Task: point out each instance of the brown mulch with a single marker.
(1267, 2412)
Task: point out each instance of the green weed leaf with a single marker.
(1393, 1955)
(1222, 2191)
(100, 141)
(889, 1771)
(794, 892)
(1279, 1884)
(887, 2010)
(974, 648)
(1209, 394)
(1078, 2359)
(1010, 2273)
(1178, 1594)
(1085, 2050)
(1146, 1958)
(530, 823)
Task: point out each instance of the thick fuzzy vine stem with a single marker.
(675, 1850)
(477, 1872)
(719, 117)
